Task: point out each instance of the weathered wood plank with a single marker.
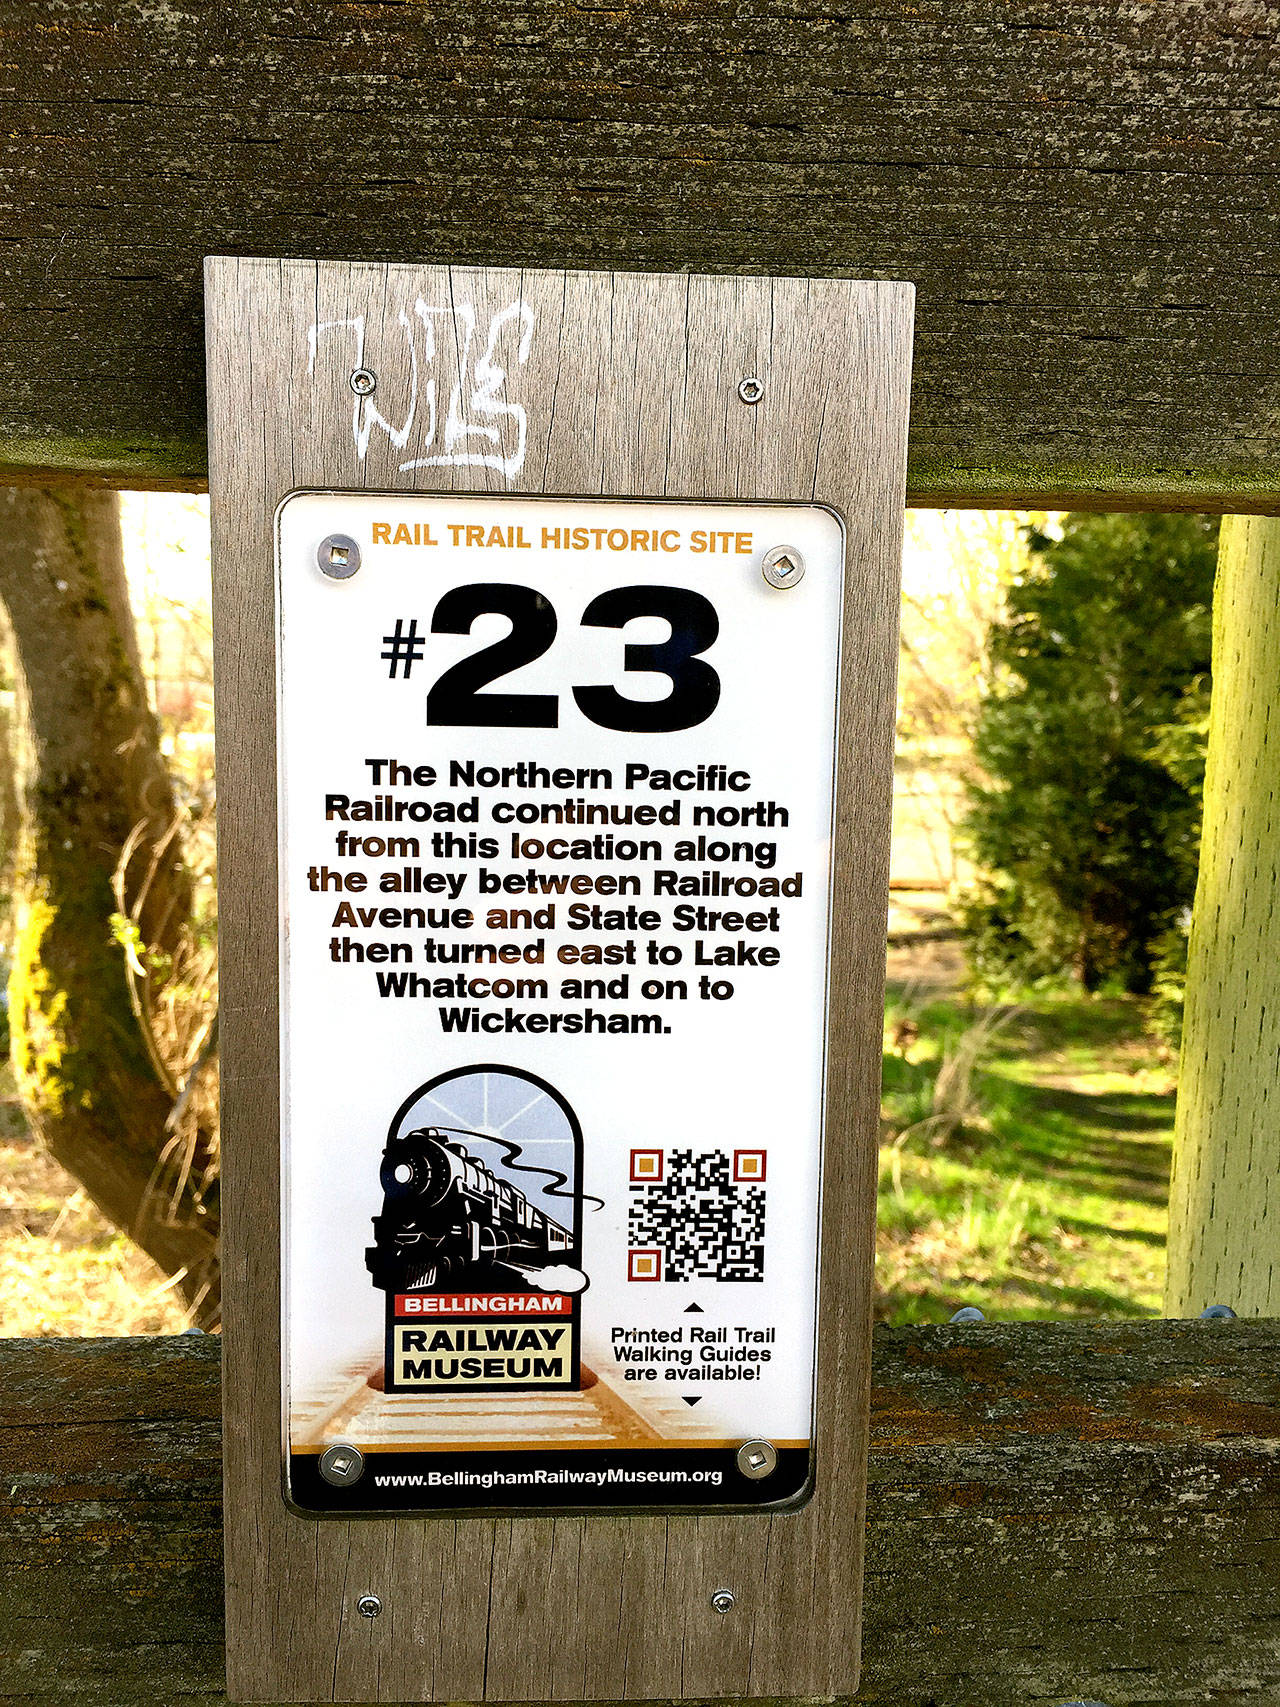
(1086, 195)
(1056, 1510)
(628, 384)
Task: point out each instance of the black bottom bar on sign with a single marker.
(703, 1476)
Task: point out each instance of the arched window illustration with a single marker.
(482, 1184)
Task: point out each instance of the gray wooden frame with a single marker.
(633, 390)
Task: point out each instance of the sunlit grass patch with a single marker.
(1025, 1159)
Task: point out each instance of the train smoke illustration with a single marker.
(511, 1154)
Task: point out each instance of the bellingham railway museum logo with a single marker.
(478, 1243)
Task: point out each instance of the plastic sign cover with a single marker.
(555, 821)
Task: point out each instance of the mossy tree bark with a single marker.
(1224, 1231)
(96, 779)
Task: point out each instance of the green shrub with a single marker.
(1091, 743)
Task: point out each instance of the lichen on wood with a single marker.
(96, 779)
(1055, 1511)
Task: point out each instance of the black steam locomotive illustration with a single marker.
(448, 1220)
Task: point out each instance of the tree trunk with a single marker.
(1224, 1220)
(13, 744)
(97, 778)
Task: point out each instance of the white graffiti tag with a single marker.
(483, 427)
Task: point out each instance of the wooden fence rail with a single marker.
(1085, 195)
(1057, 1511)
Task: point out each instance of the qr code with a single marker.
(696, 1216)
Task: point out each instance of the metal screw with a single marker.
(1218, 1313)
(338, 557)
(341, 1465)
(750, 389)
(723, 1600)
(368, 1606)
(757, 1459)
(783, 566)
(364, 382)
(970, 1313)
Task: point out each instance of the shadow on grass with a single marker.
(1045, 1143)
(1099, 1229)
(1076, 1136)
(1097, 1300)
(1110, 1111)
(1038, 1027)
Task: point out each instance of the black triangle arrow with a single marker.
(689, 1401)
(694, 1309)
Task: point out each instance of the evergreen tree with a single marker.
(1086, 832)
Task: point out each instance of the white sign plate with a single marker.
(555, 825)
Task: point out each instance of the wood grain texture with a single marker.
(1056, 1511)
(626, 384)
(1085, 194)
(1225, 1188)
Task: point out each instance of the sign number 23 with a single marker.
(455, 699)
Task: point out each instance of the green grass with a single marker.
(1025, 1159)
(1028, 1178)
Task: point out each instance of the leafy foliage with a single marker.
(942, 671)
(1091, 743)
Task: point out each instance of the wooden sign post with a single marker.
(556, 638)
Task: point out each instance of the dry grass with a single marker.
(64, 1270)
(175, 1002)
